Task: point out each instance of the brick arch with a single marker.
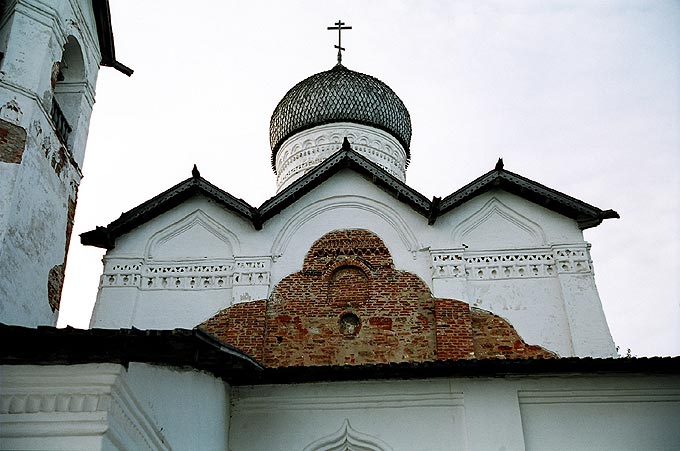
(348, 282)
(351, 271)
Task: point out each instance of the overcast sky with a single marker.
(582, 96)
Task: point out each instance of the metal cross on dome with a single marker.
(339, 26)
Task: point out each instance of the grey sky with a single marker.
(581, 96)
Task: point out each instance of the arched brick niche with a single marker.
(349, 283)
(349, 305)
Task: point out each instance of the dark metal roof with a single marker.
(345, 158)
(102, 17)
(339, 95)
(179, 348)
(184, 348)
(105, 237)
(585, 214)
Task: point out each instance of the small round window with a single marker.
(349, 324)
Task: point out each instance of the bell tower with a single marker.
(50, 54)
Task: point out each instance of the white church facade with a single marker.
(347, 312)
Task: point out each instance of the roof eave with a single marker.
(584, 214)
(345, 157)
(184, 348)
(102, 16)
(105, 237)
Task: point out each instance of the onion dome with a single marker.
(339, 95)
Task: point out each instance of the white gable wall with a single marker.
(497, 251)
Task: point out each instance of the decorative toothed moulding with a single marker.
(307, 149)
(516, 264)
(190, 276)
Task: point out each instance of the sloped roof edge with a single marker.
(183, 348)
(105, 236)
(585, 214)
(345, 158)
(48, 345)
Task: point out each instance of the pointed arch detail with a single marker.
(380, 210)
(348, 439)
(220, 237)
(521, 230)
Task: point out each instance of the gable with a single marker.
(194, 236)
(497, 226)
(585, 215)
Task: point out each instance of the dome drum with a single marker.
(307, 149)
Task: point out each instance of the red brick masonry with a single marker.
(349, 305)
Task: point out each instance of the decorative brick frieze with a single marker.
(511, 264)
(350, 306)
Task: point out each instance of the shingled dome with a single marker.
(339, 95)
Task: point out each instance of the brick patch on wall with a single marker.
(12, 142)
(349, 305)
(55, 279)
(496, 338)
(241, 326)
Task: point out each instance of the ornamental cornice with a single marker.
(530, 263)
(310, 148)
(75, 400)
(214, 274)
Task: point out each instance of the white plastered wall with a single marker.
(498, 252)
(35, 192)
(307, 149)
(510, 414)
(145, 407)
(110, 408)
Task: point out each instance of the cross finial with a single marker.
(339, 26)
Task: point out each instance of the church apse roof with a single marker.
(584, 214)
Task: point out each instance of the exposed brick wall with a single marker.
(349, 274)
(454, 330)
(349, 305)
(12, 142)
(241, 326)
(55, 278)
(496, 338)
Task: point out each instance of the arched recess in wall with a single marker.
(349, 282)
(380, 210)
(196, 236)
(348, 439)
(69, 83)
(494, 226)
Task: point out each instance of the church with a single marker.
(347, 312)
